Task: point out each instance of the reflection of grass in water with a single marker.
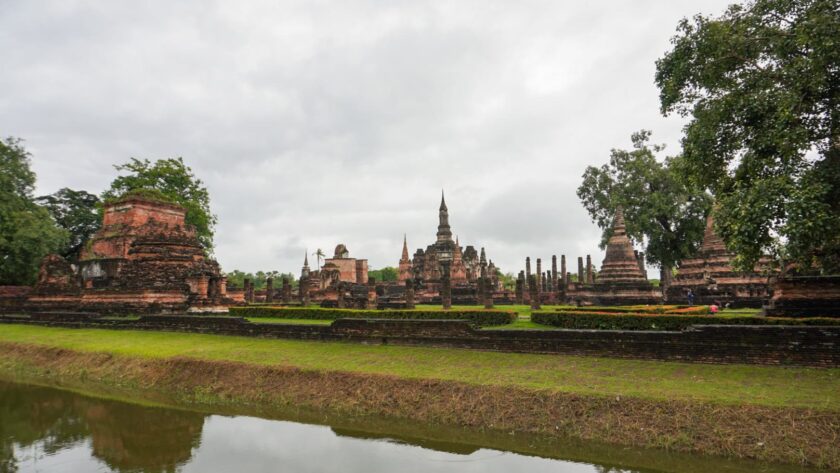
(726, 384)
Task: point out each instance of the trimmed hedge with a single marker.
(476, 317)
(646, 309)
(618, 321)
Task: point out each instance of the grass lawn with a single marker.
(276, 320)
(727, 384)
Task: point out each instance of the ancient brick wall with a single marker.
(772, 345)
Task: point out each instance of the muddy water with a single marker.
(51, 430)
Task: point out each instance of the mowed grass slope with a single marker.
(726, 384)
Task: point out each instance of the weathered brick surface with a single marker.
(805, 296)
(771, 345)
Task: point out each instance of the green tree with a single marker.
(319, 255)
(761, 85)
(660, 209)
(77, 212)
(27, 233)
(236, 278)
(388, 273)
(176, 181)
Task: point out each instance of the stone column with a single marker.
(203, 287)
(286, 291)
(581, 277)
(341, 301)
(539, 275)
(479, 290)
(223, 286)
(249, 291)
(488, 294)
(563, 273)
(409, 293)
(520, 282)
(532, 289)
(269, 290)
(446, 286)
(590, 277)
(554, 272)
(527, 268)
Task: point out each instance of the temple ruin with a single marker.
(341, 282)
(144, 259)
(709, 275)
(465, 267)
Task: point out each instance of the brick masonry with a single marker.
(766, 345)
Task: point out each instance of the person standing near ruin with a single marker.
(690, 297)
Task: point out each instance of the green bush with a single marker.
(623, 321)
(645, 309)
(476, 317)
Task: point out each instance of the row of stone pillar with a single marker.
(285, 292)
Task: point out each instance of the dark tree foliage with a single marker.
(27, 233)
(761, 85)
(659, 207)
(77, 212)
(174, 180)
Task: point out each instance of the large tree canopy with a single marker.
(660, 209)
(27, 233)
(77, 212)
(176, 181)
(761, 85)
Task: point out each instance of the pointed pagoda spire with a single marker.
(405, 248)
(620, 264)
(304, 272)
(444, 234)
(619, 227)
(483, 258)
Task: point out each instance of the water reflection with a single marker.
(41, 423)
(45, 429)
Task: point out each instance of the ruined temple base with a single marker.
(613, 294)
(121, 302)
(738, 296)
(805, 296)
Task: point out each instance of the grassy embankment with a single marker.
(768, 413)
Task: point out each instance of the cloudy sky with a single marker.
(315, 123)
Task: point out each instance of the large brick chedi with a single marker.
(710, 277)
(621, 279)
(144, 259)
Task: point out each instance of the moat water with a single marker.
(52, 430)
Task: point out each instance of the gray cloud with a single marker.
(315, 123)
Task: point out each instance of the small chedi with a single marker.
(144, 259)
(622, 279)
(709, 276)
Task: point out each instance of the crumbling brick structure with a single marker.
(709, 275)
(144, 259)
(621, 280)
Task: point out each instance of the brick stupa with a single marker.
(622, 279)
(144, 259)
(709, 275)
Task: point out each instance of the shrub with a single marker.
(624, 321)
(476, 317)
(646, 309)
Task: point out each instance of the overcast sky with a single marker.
(315, 123)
